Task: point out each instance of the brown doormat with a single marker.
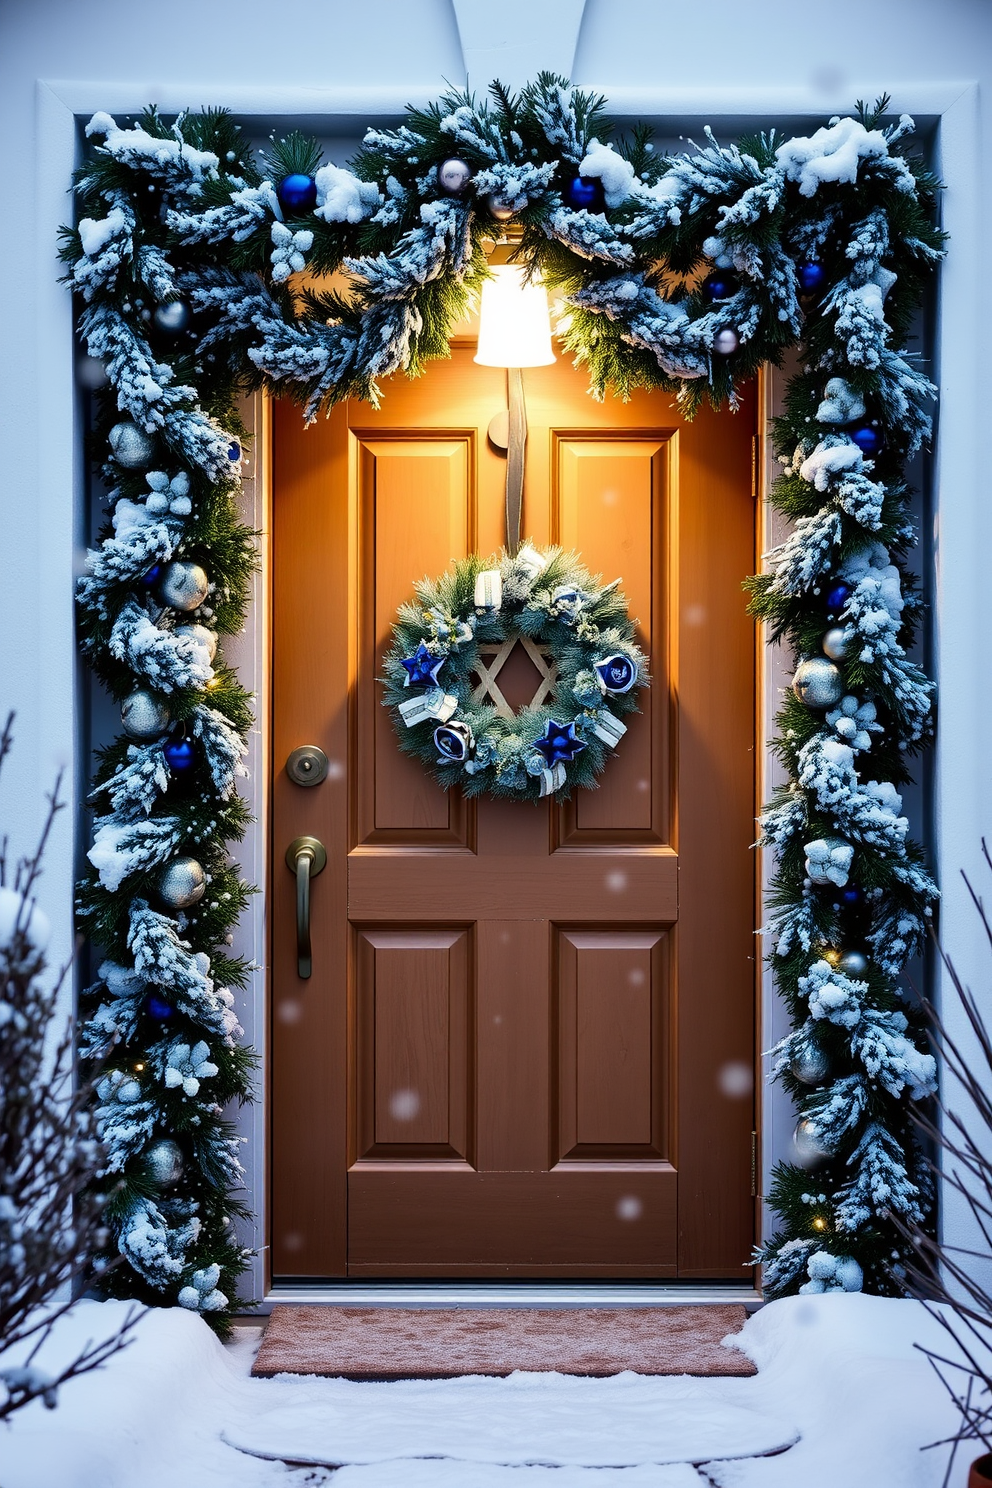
(383, 1343)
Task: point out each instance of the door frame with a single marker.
(62, 497)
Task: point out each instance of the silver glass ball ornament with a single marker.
(818, 682)
(164, 1162)
(131, 447)
(853, 964)
(144, 716)
(807, 1145)
(183, 585)
(181, 883)
(499, 208)
(201, 635)
(726, 342)
(171, 318)
(811, 1067)
(836, 643)
(453, 176)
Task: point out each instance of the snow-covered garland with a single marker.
(577, 632)
(684, 273)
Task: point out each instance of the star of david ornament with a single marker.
(558, 744)
(422, 667)
(617, 674)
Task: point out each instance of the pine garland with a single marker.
(690, 272)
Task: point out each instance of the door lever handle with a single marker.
(305, 857)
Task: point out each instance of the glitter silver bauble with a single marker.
(172, 317)
(726, 342)
(201, 635)
(164, 1162)
(853, 964)
(144, 716)
(132, 448)
(183, 585)
(809, 1149)
(181, 883)
(836, 643)
(812, 1067)
(499, 208)
(453, 176)
(818, 683)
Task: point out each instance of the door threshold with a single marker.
(508, 1294)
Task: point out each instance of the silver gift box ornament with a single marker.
(553, 779)
(434, 704)
(611, 730)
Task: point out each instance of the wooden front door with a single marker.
(526, 1043)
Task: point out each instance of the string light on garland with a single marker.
(405, 214)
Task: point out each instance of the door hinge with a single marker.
(754, 1165)
(754, 467)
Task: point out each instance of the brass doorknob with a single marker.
(306, 857)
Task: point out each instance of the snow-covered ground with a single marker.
(838, 1375)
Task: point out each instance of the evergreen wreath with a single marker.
(576, 631)
(681, 272)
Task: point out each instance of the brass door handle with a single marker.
(306, 857)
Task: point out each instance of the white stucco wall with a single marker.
(773, 57)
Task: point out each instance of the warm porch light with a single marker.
(514, 321)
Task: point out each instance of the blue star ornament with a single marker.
(558, 744)
(422, 668)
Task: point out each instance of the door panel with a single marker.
(510, 1058)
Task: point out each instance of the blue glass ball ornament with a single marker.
(585, 194)
(558, 744)
(812, 277)
(868, 437)
(179, 755)
(720, 285)
(234, 451)
(158, 1008)
(837, 595)
(172, 318)
(422, 667)
(617, 674)
(851, 897)
(151, 578)
(297, 193)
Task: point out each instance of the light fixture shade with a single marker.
(514, 323)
